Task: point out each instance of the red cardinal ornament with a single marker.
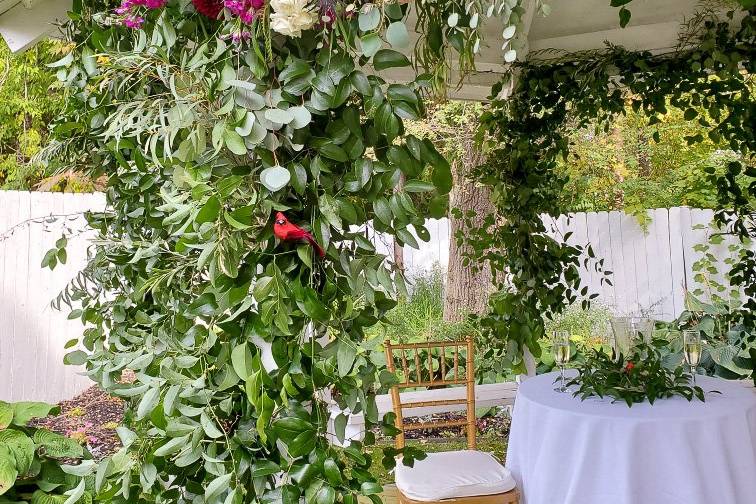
(286, 231)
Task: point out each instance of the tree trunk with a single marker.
(467, 287)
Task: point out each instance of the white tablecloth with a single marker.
(566, 451)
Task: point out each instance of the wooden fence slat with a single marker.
(9, 216)
(618, 260)
(36, 315)
(678, 217)
(55, 322)
(688, 241)
(604, 251)
(583, 236)
(660, 262)
(645, 298)
(32, 333)
(21, 331)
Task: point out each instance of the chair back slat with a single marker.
(420, 379)
(456, 362)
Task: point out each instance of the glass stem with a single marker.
(561, 370)
(693, 371)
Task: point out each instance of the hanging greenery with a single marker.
(246, 145)
(455, 27)
(709, 78)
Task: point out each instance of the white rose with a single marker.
(291, 17)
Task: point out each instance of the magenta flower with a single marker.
(245, 10)
(128, 9)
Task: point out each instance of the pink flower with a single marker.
(128, 9)
(132, 21)
(245, 10)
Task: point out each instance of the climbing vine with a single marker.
(709, 78)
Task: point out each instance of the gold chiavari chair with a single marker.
(459, 477)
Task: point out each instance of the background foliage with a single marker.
(29, 100)
(626, 169)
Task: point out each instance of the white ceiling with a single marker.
(24, 23)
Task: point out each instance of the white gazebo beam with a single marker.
(23, 24)
(656, 37)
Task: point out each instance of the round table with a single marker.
(566, 451)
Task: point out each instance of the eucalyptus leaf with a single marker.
(301, 117)
(397, 36)
(277, 115)
(370, 44)
(369, 17)
(275, 178)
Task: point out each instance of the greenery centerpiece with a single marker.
(633, 379)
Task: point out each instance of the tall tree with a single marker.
(452, 125)
(467, 285)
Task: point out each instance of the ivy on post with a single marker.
(208, 120)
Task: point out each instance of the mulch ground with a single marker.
(90, 418)
(496, 424)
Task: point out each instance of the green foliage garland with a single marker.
(538, 277)
(205, 129)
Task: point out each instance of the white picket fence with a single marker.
(32, 333)
(652, 266)
(652, 269)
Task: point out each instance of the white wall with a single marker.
(32, 333)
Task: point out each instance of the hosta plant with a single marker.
(208, 119)
(33, 461)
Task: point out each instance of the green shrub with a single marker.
(420, 316)
(589, 329)
(31, 458)
(29, 99)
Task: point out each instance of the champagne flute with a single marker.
(692, 350)
(561, 349)
(622, 330)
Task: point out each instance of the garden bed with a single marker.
(90, 418)
(495, 423)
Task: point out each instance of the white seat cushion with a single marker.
(448, 475)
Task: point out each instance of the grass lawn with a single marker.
(495, 446)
